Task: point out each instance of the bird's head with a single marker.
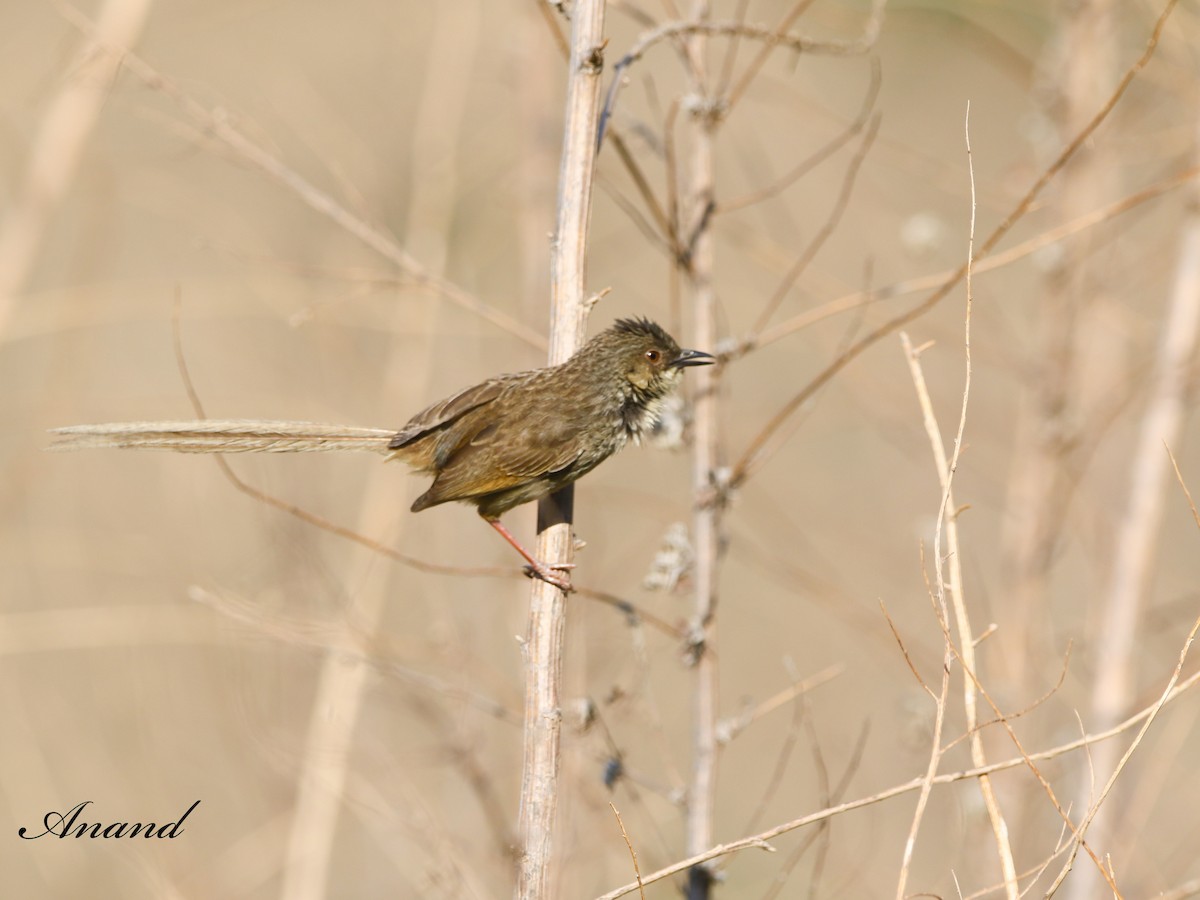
(647, 357)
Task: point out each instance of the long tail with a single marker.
(224, 436)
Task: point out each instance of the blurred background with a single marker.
(350, 205)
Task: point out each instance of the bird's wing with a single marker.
(503, 459)
(446, 411)
(552, 450)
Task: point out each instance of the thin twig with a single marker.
(904, 650)
(825, 231)
(802, 168)
(730, 728)
(769, 43)
(1183, 484)
(637, 871)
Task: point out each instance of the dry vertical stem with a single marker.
(568, 321)
(705, 459)
(966, 637)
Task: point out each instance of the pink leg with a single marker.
(536, 566)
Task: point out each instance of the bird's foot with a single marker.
(548, 574)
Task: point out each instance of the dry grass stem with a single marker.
(699, 26)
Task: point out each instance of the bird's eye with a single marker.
(653, 355)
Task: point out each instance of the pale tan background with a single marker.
(440, 123)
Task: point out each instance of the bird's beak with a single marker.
(692, 358)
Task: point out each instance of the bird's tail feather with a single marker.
(224, 436)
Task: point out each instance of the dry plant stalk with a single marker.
(706, 523)
(568, 321)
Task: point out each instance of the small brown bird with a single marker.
(509, 440)
(517, 438)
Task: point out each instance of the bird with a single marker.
(498, 444)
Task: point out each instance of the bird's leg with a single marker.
(536, 567)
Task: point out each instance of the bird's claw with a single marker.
(547, 574)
